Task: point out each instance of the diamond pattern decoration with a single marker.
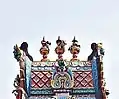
(40, 74)
(41, 79)
(83, 79)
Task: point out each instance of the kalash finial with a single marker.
(74, 49)
(74, 40)
(45, 49)
(60, 49)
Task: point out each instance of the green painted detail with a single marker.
(17, 52)
(61, 64)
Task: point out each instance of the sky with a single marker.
(30, 20)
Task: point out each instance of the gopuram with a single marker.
(60, 79)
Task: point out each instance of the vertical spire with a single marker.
(74, 40)
(58, 37)
(43, 38)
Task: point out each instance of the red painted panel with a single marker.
(83, 79)
(41, 79)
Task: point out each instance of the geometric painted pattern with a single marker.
(41, 79)
(83, 79)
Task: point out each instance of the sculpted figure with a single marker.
(94, 53)
(25, 59)
(19, 89)
(24, 47)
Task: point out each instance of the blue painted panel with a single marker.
(62, 97)
(28, 75)
(95, 74)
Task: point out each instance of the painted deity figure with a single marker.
(19, 56)
(25, 59)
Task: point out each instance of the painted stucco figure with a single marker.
(62, 76)
(22, 55)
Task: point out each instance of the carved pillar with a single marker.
(101, 72)
(19, 56)
(22, 73)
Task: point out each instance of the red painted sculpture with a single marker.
(74, 49)
(45, 49)
(60, 49)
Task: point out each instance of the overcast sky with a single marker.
(30, 20)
